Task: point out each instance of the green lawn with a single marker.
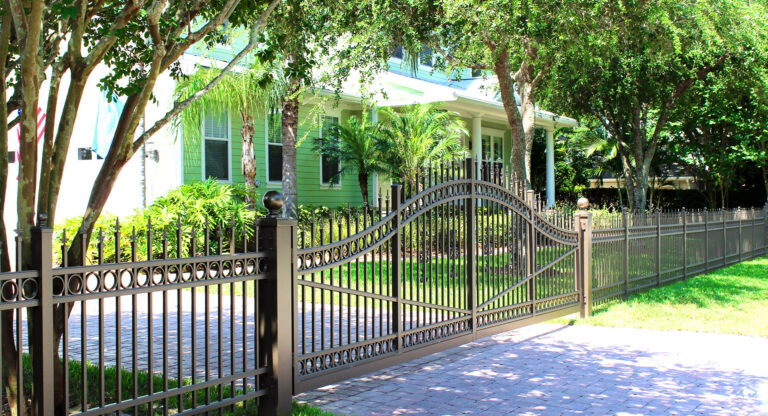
(733, 300)
(142, 378)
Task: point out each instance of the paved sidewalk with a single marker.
(552, 370)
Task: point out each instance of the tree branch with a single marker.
(102, 47)
(182, 105)
(195, 36)
(681, 88)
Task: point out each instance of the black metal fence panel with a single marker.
(636, 251)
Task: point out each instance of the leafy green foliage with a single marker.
(187, 209)
(574, 165)
(636, 61)
(256, 89)
(354, 144)
(419, 136)
(143, 380)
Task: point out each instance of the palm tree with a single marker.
(355, 145)
(420, 136)
(246, 93)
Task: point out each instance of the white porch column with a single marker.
(477, 143)
(550, 167)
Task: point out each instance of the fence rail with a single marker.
(637, 251)
(227, 319)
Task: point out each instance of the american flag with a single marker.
(40, 125)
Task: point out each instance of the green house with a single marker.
(472, 95)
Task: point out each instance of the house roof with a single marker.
(474, 96)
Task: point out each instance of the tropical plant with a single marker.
(191, 208)
(417, 137)
(354, 144)
(257, 89)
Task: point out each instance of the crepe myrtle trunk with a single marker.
(290, 125)
(247, 160)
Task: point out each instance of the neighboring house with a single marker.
(662, 177)
(473, 97)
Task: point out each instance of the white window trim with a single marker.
(492, 133)
(266, 150)
(328, 185)
(229, 148)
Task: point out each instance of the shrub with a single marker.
(186, 212)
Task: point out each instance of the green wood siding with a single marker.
(310, 190)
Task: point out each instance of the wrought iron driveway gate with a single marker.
(463, 254)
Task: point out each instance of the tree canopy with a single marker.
(638, 60)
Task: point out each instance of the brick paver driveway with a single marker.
(552, 370)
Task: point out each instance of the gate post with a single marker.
(583, 221)
(706, 240)
(739, 213)
(277, 307)
(725, 236)
(394, 259)
(685, 244)
(658, 248)
(625, 260)
(471, 244)
(531, 249)
(41, 336)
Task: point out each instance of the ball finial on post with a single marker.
(273, 202)
(582, 203)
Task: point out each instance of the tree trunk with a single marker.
(290, 127)
(507, 89)
(7, 340)
(362, 178)
(247, 161)
(49, 189)
(526, 87)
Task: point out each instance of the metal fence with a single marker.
(214, 319)
(632, 252)
(185, 334)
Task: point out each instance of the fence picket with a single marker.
(464, 252)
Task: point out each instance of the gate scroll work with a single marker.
(463, 253)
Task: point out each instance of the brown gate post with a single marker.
(658, 247)
(531, 249)
(395, 256)
(277, 306)
(625, 260)
(685, 245)
(471, 244)
(706, 240)
(583, 221)
(41, 337)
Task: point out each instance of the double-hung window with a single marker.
(329, 165)
(216, 146)
(274, 147)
